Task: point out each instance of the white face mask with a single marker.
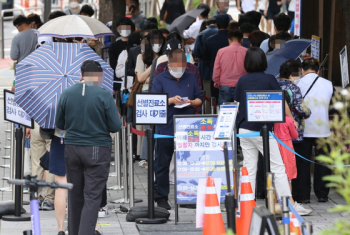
(156, 47)
(73, 4)
(224, 9)
(124, 33)
(177, 72)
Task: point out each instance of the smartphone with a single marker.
(184, 98)
(132, 9)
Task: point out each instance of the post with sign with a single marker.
(150, 109)
(265, 107)
(14, 114)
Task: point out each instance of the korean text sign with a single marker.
(226, 121)
(14, 113)
(150, 108)
(265, 106)
(198, 155)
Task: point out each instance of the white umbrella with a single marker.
(74, 26)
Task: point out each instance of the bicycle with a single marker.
(33, 185)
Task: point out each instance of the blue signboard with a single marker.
(265, 106)
(198, 155)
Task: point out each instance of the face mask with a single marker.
(178, 72)
(156, 47)
(124, 33)
(73, 4)
(224, 10)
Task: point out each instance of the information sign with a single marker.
(198, 155)
(150, 109)
(316, 47)
(265, 106)
(263, 222)
(297, 18)
(344, 67)
(226, 121)
(14, 113)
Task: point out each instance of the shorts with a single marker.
(272, 12)
(57, 165)
(262, 13)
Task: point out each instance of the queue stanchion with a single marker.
(131, 168)
(151, 218)
(18, 188)
(212, 108)
(13, 159)
(308, 227)
(230, 202)
(266, 152)
(285, 215)
(117, 163)
(270, 192)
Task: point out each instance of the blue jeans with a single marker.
(164, 153)
(226, 94)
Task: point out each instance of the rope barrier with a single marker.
(137, 132)
(208, 99)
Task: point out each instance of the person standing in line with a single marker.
(87, 145)
(137, 16)
(34, 21)
(193, 31)
(170, 11)
(247, 5)
(73, 8)
(272, 8)
(229, 66)
(246, 29)
(87, 10)
(317, 94)
(223, 6)
(291, 9)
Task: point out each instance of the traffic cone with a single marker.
(294, 225)
(213, 223)
(246, 206)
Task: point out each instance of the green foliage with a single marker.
(337, 158)
(230, 232)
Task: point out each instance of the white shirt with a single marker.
(192, 32)
(292, 6)
(262, 5)
(248, 5)
(317, 100)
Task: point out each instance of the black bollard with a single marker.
(230, 201)
(18, 188)
(151, 218)
(266, 152)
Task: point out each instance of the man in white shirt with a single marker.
(193, 30)
(247, 5)
(317, 93)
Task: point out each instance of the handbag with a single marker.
(136, 87)
(47, 134)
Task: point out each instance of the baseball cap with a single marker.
(172, 44)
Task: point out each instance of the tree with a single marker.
(106, 12)
(119, 7)
(345, 8)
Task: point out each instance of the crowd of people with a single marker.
(218, 55)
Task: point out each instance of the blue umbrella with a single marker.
(43, 75)
(291, 50)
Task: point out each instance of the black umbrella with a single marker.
(183, 21)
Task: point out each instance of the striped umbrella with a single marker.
(45, 73)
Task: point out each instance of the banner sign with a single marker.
(265, 106)
(297, 18)
(197, 156)
(226, 121)
(344, 67)
(150, 109)
(316, 47)
(14, 113)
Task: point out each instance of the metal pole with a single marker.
(2, 36)
(308, 227)
(266, 152)
(131, 169)
(125, 165)
(285, 215)
(270, 192)
(47, 10)
(212, 109)
(12, 160)
(117, 163)
(230, 202)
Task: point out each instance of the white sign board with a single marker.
(226, 121)
(150, 109)
(265, 106)
(344, 66)
(315, 47)
(14, 113)
(297, 18)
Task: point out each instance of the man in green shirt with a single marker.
(88, 114)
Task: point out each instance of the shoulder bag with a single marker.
(136, 87)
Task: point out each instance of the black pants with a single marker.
(104, 197)
(87, 169)
(302, 184)
(164, 153)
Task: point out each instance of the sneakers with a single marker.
(61, 233)
(103, 212)
(163, 202)
(301, 210)
(143, 163)
(47, 205)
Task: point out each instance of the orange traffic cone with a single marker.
(246, 206)
(213, 223)
(294, 225)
